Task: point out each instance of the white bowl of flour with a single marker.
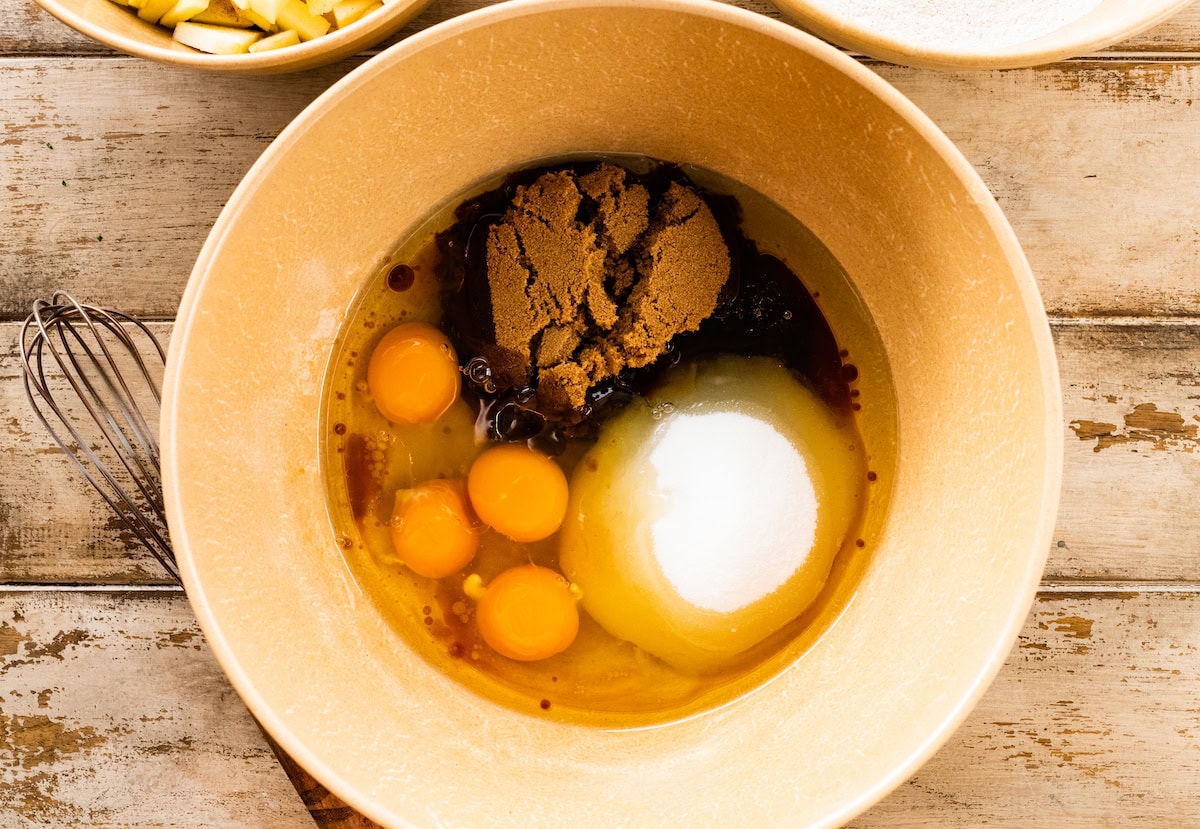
(977, 34)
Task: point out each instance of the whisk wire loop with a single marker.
(130, 415)
(114, 447)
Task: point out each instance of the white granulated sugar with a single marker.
(962, 25)
(740, 511)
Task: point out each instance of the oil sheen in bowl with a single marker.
(778, 403)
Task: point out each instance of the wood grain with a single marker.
(1131, 399)
(1131, 395)
(1093, 716)
(114, 195)
(115, 714)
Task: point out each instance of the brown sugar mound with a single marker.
(588, 277)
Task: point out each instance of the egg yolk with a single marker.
(413, 374)
(519, 492)
(528, 613)
(433, 530)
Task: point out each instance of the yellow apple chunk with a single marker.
(216, 40)
(295, 15)
(181, 11)
(276, 41)
(347, 11)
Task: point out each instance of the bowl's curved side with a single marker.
(694, 82)
(114, 26)
(1112, 22)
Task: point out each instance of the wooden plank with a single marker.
(115, 714)
(1094, 164)
(27, 30)
(1132, 402)
(1131, 399)
(1094, 721)
(1109, 225)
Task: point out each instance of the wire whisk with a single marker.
(76, 355)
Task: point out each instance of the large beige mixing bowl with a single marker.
(696, 82)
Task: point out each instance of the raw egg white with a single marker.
(706, 519)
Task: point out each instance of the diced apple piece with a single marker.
(258, 20)
(241, 4)
(121, 2)
(216, 40)
(222, 13)
(347, 11)
(276, 41)
(267, 9)
(320, 7)
(295, 15)
(181, 11)
(155, 9)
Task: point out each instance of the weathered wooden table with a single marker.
(114, 713)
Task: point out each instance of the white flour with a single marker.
(962, 24)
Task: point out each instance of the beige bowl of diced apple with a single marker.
(637, 414)
(237, 36)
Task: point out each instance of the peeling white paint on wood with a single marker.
(1131, 455)
(114, 713)
(113, 195)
